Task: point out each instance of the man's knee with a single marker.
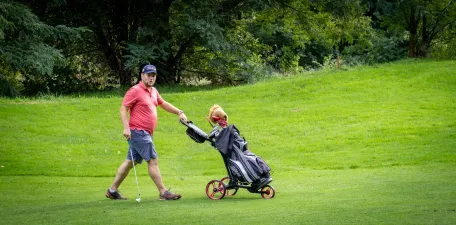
(153, 162)
(126, 165)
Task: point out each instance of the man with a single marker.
(141, 102)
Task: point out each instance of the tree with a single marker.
(424, 20)
(305, 33)
(29, 46)
(161, 32)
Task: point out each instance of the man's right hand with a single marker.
(127, 133)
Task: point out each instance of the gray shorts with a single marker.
(142, 146)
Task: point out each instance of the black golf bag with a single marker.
(242, 165)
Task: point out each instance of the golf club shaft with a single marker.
(134, 168)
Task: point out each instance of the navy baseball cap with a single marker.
(149, 69)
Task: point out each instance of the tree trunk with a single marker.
(412, 42)
(125, 77)
(113, 52)
(164, 66)
(423, 48)
(413, 23)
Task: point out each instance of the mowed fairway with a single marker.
(368, 145)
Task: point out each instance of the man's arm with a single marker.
(124, 117)
(172, 109)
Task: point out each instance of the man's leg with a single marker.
(122, 173)
(154, 173)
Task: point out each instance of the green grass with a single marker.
(368, 145)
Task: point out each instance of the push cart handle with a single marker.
(187, 123)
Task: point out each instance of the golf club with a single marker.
(137, 184)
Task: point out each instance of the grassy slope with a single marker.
(368, 145)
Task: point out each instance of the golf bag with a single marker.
(242, 164)
(245, 169)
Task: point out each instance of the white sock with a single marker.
(110, 190)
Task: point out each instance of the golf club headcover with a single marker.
(216, 114)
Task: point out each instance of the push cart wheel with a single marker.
(229, 192)
(215, 189)
(267, 191)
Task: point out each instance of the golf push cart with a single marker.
(245, 169)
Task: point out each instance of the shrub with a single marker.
(10, 80)
(380, 49)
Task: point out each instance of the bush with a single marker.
(10, 80)
(444, 50)
(314, 54)
(380, 49)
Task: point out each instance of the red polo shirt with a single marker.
(143, 107)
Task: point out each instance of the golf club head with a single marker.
(138, 199)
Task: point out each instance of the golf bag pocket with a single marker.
(195, 133)
(235, 172)
(265, 169)
(248, 167)
(239, 172)
(257, 165)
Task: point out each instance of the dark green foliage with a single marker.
(9, 80)
(445, 50)
(380, 49)
(221, 42)
(425, 21)
(30, 47)
(313, 55)
(23, 40)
